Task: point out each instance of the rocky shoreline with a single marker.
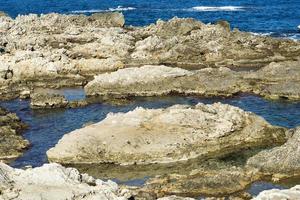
(213, 150)
(57, 51)
(12, 144)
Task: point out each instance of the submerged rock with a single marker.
(168, 135)
(52, 181)
(276, 194)
(12, 143)
(279, 162)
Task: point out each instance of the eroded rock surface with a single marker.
(56, 50)
(52, 181)
(162, 80)
(276, 80)
(279, 162)
(166, 135)
(12, 144)
(45, 99)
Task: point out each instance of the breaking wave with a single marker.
(119, 8)
(217, 8)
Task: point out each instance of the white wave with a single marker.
(262, 34)
(119, 8)
(217, 8)
(87, 11)
(298, 27)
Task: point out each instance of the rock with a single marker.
(52, 181)
(204, 182)
(279, 162)
(25, 94)
(111, 19)
(178, 133)
(161, 80)
(12, 144)
(276, 194)
(3, 14)
(279, 80)
(175, 198)
(56, 50)
(47, 100)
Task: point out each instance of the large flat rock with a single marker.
(177, 133)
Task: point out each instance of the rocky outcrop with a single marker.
(276, 194)
(162, 80)
(45, 99)
(55, 50)
(12, 143)
(280, 162)
(276, 80)
(187, 42)
(174, 134)
(52, 181)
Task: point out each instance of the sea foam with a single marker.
(119, 8)
(217, 8)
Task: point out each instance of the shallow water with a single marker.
(46, 127)
(271, 17)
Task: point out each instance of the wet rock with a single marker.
(211, 182)
(12, 144)
(177, 133)
(47, 100)
(276, 194)
(52, 181)
(279, 162)
(161, 80)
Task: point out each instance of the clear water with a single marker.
(46, 127)
(272, 17)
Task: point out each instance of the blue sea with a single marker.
(279, 18)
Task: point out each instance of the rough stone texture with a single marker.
(163, 80)
(12, 143)
(276, 80)
(166, 135)
(47, 100)
(186, 42)
(55, 50)
(275, 194)
(279, 162)
(52, 181)
(206, 182)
